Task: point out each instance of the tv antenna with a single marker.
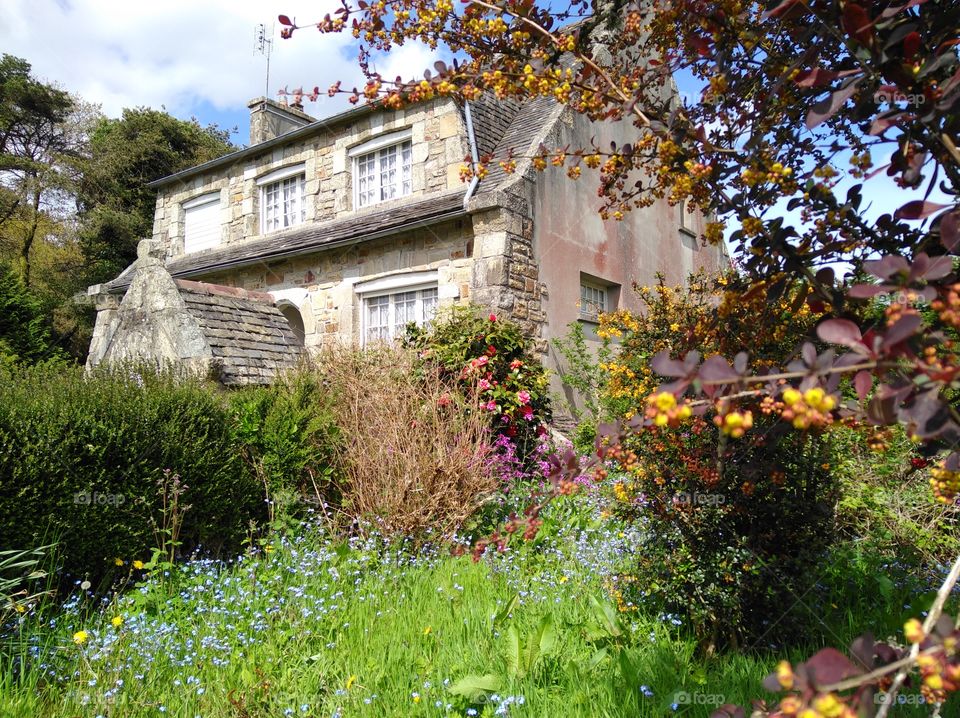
(263, 45)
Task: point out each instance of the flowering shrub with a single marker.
(738, 506)
(490, 357)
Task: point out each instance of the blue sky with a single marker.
(197, 59)
(193, 58)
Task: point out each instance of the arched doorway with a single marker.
(294, 319)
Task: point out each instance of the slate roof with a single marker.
(498, 127)
(315, 237)
(250, 339)
(523, 135)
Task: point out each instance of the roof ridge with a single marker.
(223, 291)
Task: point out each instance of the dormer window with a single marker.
(382, 169)
(282, 201)
(201, 223)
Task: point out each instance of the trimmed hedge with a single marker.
(81, 457)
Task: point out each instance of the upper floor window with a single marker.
(201, 222)
(593, 300)
(382, 168)
(282, 200)
(390, 304)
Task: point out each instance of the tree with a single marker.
(24, 328)
(116, 206)
(798, 99)
(34, 142)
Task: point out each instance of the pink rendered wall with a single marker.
(570, 238)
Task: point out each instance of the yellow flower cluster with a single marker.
(811, 408)
(665, 411)
(945, 484)
(734, 423)
(752, 226)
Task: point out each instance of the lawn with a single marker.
(305, 625)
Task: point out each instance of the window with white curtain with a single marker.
(282, 199)
(201, 223)
(389, 304)
(382, 169)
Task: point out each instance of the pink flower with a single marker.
(483, 384)
(491, 405)
(493, 317)
(444, 400)
(523, 397)
(482, 360)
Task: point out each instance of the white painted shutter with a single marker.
(201, 224)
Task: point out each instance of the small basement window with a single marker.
(201, 223)
(593, 300)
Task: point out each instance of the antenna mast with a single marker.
(264, 44)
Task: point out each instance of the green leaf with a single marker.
(548, 634)
(606, 616)
(596, 659)
(504, 613)
(475, 687)
(514, 657)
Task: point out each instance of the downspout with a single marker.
(473, 151)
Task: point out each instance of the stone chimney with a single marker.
(269, 119)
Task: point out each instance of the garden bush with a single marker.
(25, 335)
(490, 357)
(413, 457)
(735, 522)
(81, 458)
(287, 434)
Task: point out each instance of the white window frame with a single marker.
(686, 219)
(601, 292)
(280, 180)
(391, 289)
(208, 198)
(370, 163)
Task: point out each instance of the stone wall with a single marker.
(439, 141)
(322, 286)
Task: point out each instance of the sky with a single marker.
(197, 58)
(194, 58)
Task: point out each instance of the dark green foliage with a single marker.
(28, 109)
(126, 154)
(288, 434)
(80, 460)
(24, 330)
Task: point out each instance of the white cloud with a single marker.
(181, 54)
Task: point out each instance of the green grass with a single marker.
(310, 627)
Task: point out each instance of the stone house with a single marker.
(359, 223)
